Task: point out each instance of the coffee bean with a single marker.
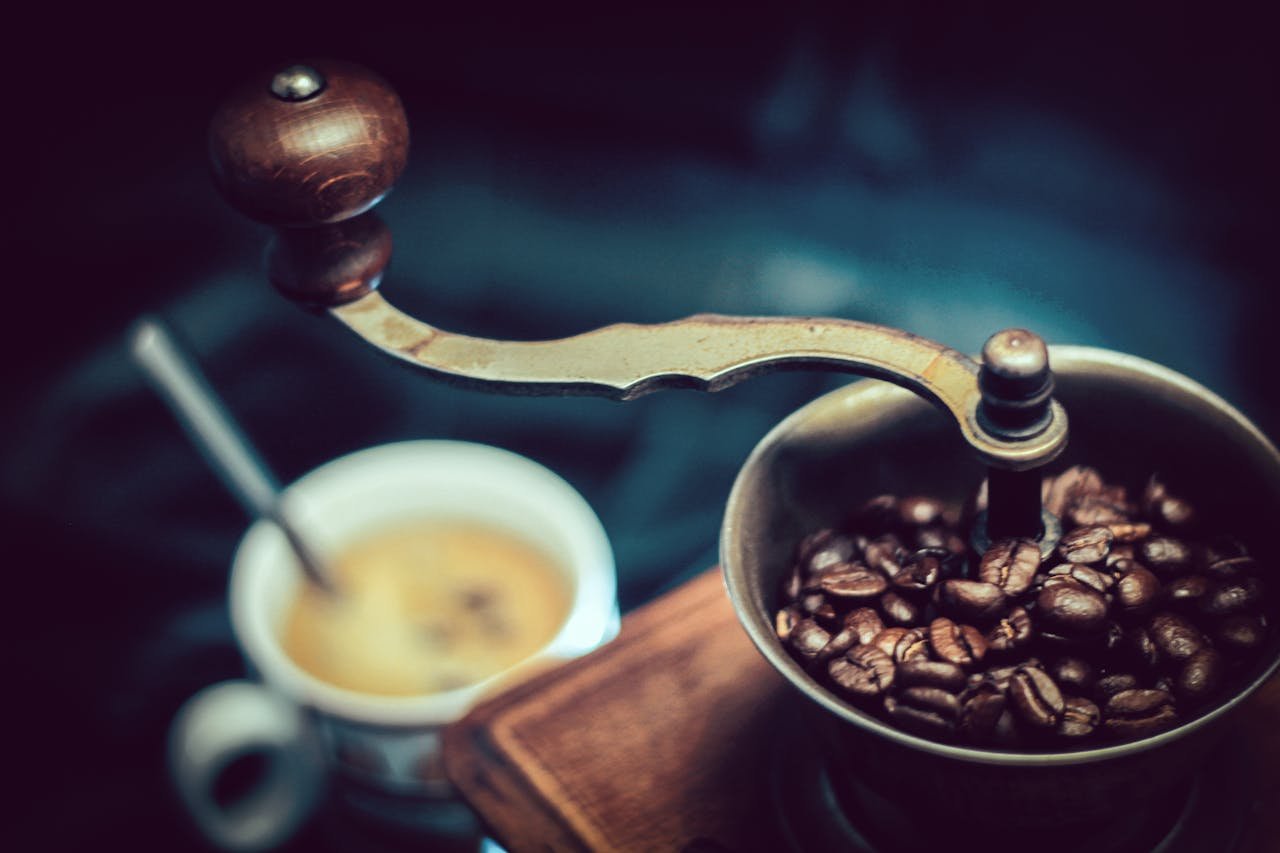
(1036, 699)
(920, 571)
(934, 699)
(938, 538)
(1080, 717)
(877, 515)
(1010, 564)
(899, 610)
(1011, 632)
(912, 645)
(1007, 735)
(1241, 634)
(1129, 532)
(1165, 554)
(1140, 649)
(1110, 685)
(1119, 496)
(808, 639)
(962, 645)
(1138, 713)
(919, 511)
(981, 708)
(1164, 683)
(811, 583)
(1200, 676)
(824, 549)
(827, 617)
(1230, 568)
(812, 542)
(1187, 591)
(811, 602)
(785, 622)
(972, 601)
(839, 644)
(984, 717)
(1071, 608)
(1137, 589)
(1092, 578)
(854, 581)
(1073, 674)
(1069, 487)
(932, 707)
(865, 671)
(999, 675)
(1119, 553)
(1175, 512)
(908, 710)
(1154, 492)
(1232, 597)
(887, 640)
(933, 536)
(1085, 545)
(1222, 548)
(885, 555)
(1165, 508)
(1176, 638)
(865, 624)
(931, 673)
(1097, 510)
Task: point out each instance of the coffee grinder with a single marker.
(311, 149)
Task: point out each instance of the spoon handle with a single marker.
(197, 407)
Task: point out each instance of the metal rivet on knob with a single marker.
(1016, 355)
(297, 83)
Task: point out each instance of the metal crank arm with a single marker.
(706, 352)
(313, 148)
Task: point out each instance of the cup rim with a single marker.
(591, 568)
(765, 640)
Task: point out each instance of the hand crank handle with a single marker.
(707, 352)
(312, 148)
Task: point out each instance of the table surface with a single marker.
(661, 739)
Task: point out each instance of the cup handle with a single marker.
(247, 764)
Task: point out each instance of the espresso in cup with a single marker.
(427, 605)
(461, 569)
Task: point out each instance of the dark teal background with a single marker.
(1102, 179)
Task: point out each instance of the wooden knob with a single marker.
(332, 264)
(309, 144)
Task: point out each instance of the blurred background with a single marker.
(1107, 180)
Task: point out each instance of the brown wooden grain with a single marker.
(331, 264)
(635, 746)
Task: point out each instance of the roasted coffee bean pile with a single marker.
(1138, 621)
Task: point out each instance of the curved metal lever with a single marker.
(707, 352)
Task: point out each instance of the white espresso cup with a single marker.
(384, 751)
